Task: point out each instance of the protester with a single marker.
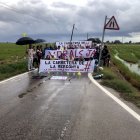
(105, 56)
(35, 58)
(30, 57)
(59, 48)
(81, 58)
(108, 60)
(39, 53)
(48, 57)
(71, 58)
(52, 57)
(43, 53)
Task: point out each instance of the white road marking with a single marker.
(63, 132)
(128, 109)
(14, 77)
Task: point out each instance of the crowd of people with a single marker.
(34, 56)
(35, 53)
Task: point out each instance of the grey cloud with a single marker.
(63, 5)
(36, 18)
(30, 2)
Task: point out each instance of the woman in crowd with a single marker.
(39, 53)
(30, 57)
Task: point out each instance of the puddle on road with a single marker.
(40, 84)
(22, 94)
(25, 93)
(29, 90)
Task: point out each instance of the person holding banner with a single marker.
(39, 53)
(47, 57)
(81, 58)
(35, 58)
(71, 58)
(52, 57)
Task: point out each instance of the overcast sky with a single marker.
(53, 19)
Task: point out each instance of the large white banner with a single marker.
(75, 53)
(74, 44)
(66, 66)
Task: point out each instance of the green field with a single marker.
(12, 60)
(11, 53)
(127, 52)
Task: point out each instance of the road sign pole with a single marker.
(102, 43)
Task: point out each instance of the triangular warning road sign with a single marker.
(112, 24)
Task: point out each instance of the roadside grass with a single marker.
(9, 70)
(11, 53)
(128, 57)
(131, 77)
(12, 60)
(126, 90)
(129, 85)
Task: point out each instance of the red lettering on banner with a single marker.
(80, 52)
(93, 53)
(58, 53)
(65, 54)
(71, 53)
(50, 53)
(88, 54)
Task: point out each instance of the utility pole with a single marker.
(72, 33)
(87, 36)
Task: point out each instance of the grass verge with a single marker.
(9, 70)
(126, 90)
(129, 53)
(131, 77)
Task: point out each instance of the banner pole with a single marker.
(102, 43)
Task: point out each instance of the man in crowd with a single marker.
(105, 56)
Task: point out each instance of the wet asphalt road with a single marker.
(44, 109)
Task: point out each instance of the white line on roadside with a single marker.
(128, 109)
(14, 77)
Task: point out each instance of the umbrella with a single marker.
(25, 41)
(40, 40)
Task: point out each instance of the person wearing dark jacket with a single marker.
(105, 56)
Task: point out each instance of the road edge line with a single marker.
(3, 81)
(122, 104)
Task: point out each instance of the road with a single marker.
(76, 109)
